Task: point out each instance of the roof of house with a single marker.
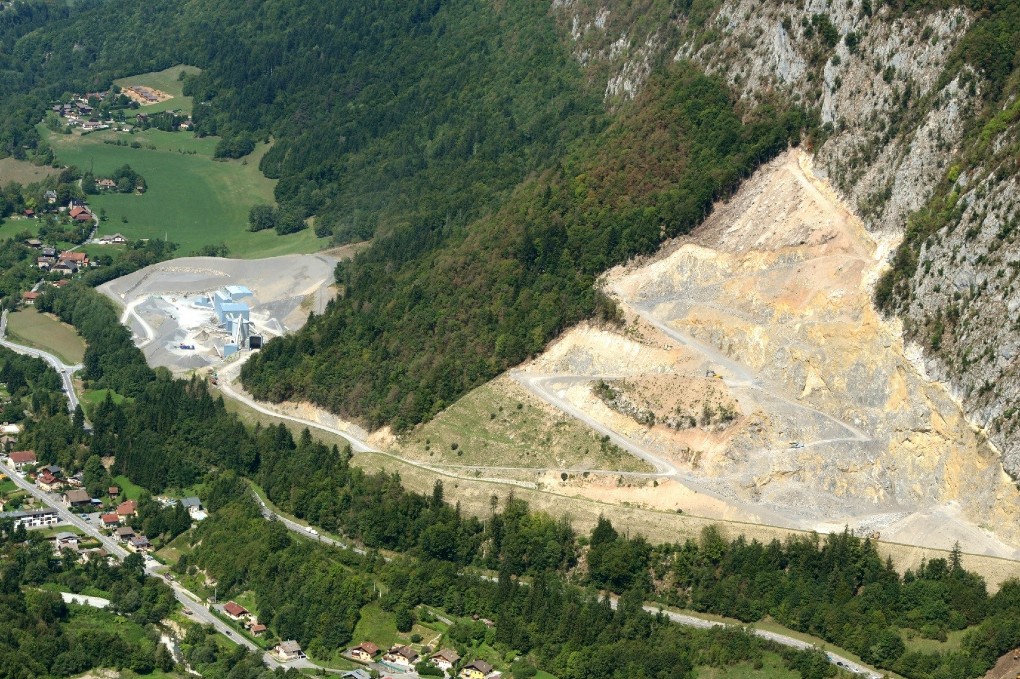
(124, 531)
(53, 469)
(69, 256)
(34, 242)
(235, 609)
(367, 647)
(289, 646)
(140, 541)
(23, 456)
(405, 651)
(30, 294)
(110, 518)
(190, 502)
(128, 507)
(356, 674)
(65, 535)
(479, 665)
(258, 627)
(47, 478)
(78, 495)
(78, 210)
(113, 490)
(447, 654)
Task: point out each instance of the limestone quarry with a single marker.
(754, 373)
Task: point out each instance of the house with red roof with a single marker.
(235, 611)
(78, 259)
(129, 508)
(109, 520)
(22, 458)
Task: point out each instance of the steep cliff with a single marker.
(918, 132)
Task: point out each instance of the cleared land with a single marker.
(167, 81)
(192, 199)
(45, 332)
(502, 425)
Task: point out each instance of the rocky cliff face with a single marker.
(894, 105)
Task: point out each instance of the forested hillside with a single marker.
(429, 312)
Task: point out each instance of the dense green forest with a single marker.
(176, 433)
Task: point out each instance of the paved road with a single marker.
(189, 600)
(65, 371)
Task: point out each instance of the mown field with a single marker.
(23, 172)
(47, 333)
(192, 199)
(167, 81)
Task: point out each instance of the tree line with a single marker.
(176, 433)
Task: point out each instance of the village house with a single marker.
(32, 518)
(109, 520)
(29, 212)
(106, 183)
(235, 611)
(356, 674)
(258, 629)
(22, 458)
(48, 482)
(45, 263)
(51, 197)
(78, 259)
(365, 651)
(194, 507)
(404, 656)
(444, 659)
(65, 268)
(113, 491)
(476, 669)
(77, 498)
(28, 297)
(288, 650)
(65, 540)
(80, 213)
(124, 533)
(126, 509)
(115, 239)
(34, 243)
(140, 543)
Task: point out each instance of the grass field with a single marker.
(191, 199)
(47, 333)
(485, 428)
(23, 172)
(90, 399)
(168, 81)
(128, 490)
(14, 225)
(915, 642)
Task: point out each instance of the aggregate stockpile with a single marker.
(754, 365)
(195, 312)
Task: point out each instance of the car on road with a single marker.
(187, 611)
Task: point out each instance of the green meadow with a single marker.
(192, 199)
